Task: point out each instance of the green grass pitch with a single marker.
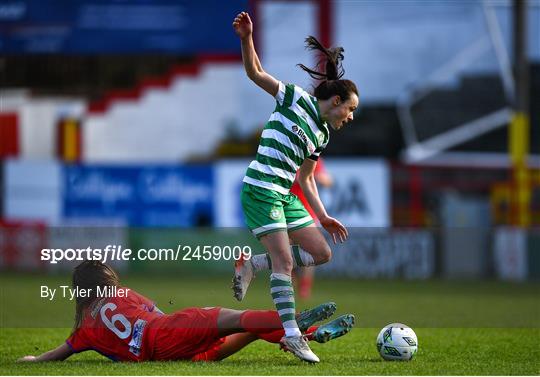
(463, 328)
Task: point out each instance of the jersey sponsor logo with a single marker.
(300, 132)
(136, 337)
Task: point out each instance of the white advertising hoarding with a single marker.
(359, 197)
(228, 185)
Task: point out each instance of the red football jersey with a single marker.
(117, 328)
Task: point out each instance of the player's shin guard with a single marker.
(283, 297)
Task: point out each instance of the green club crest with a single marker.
(275, 213)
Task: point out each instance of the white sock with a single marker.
(283, 296)
(261, 262)
(301, 258)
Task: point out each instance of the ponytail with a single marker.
(333, 56)
(331, 84)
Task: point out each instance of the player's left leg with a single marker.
(309, 247)
(230, 321)
(311, 240)
(245, 269)
(321, 334)
(243, 327)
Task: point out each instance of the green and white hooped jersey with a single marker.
(294, 132)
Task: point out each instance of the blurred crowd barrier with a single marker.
(167, 195)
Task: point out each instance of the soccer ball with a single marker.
(397, 341)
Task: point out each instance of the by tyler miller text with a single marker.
(65, 291)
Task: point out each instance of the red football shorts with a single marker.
(189, 334)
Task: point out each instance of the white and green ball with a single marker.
(397, 341)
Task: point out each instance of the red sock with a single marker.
(260, 321)
(266, 325)
(272, 337)
(310, 331)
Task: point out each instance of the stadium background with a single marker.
(132, 122)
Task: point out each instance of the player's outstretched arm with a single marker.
(243, 27)
(60, 353)
(306, 180)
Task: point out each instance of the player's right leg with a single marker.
(258, 324)
(282, 291)
(265, 214)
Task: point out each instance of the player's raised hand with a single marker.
(242, 25)
(335, 228)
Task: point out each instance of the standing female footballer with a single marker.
(291, 142)
(129, 327)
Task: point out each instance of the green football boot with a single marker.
(307, 318)
(334, 329)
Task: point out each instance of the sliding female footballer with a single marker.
(129, 327)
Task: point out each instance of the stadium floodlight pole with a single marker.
(519, 127)
(503, 59)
